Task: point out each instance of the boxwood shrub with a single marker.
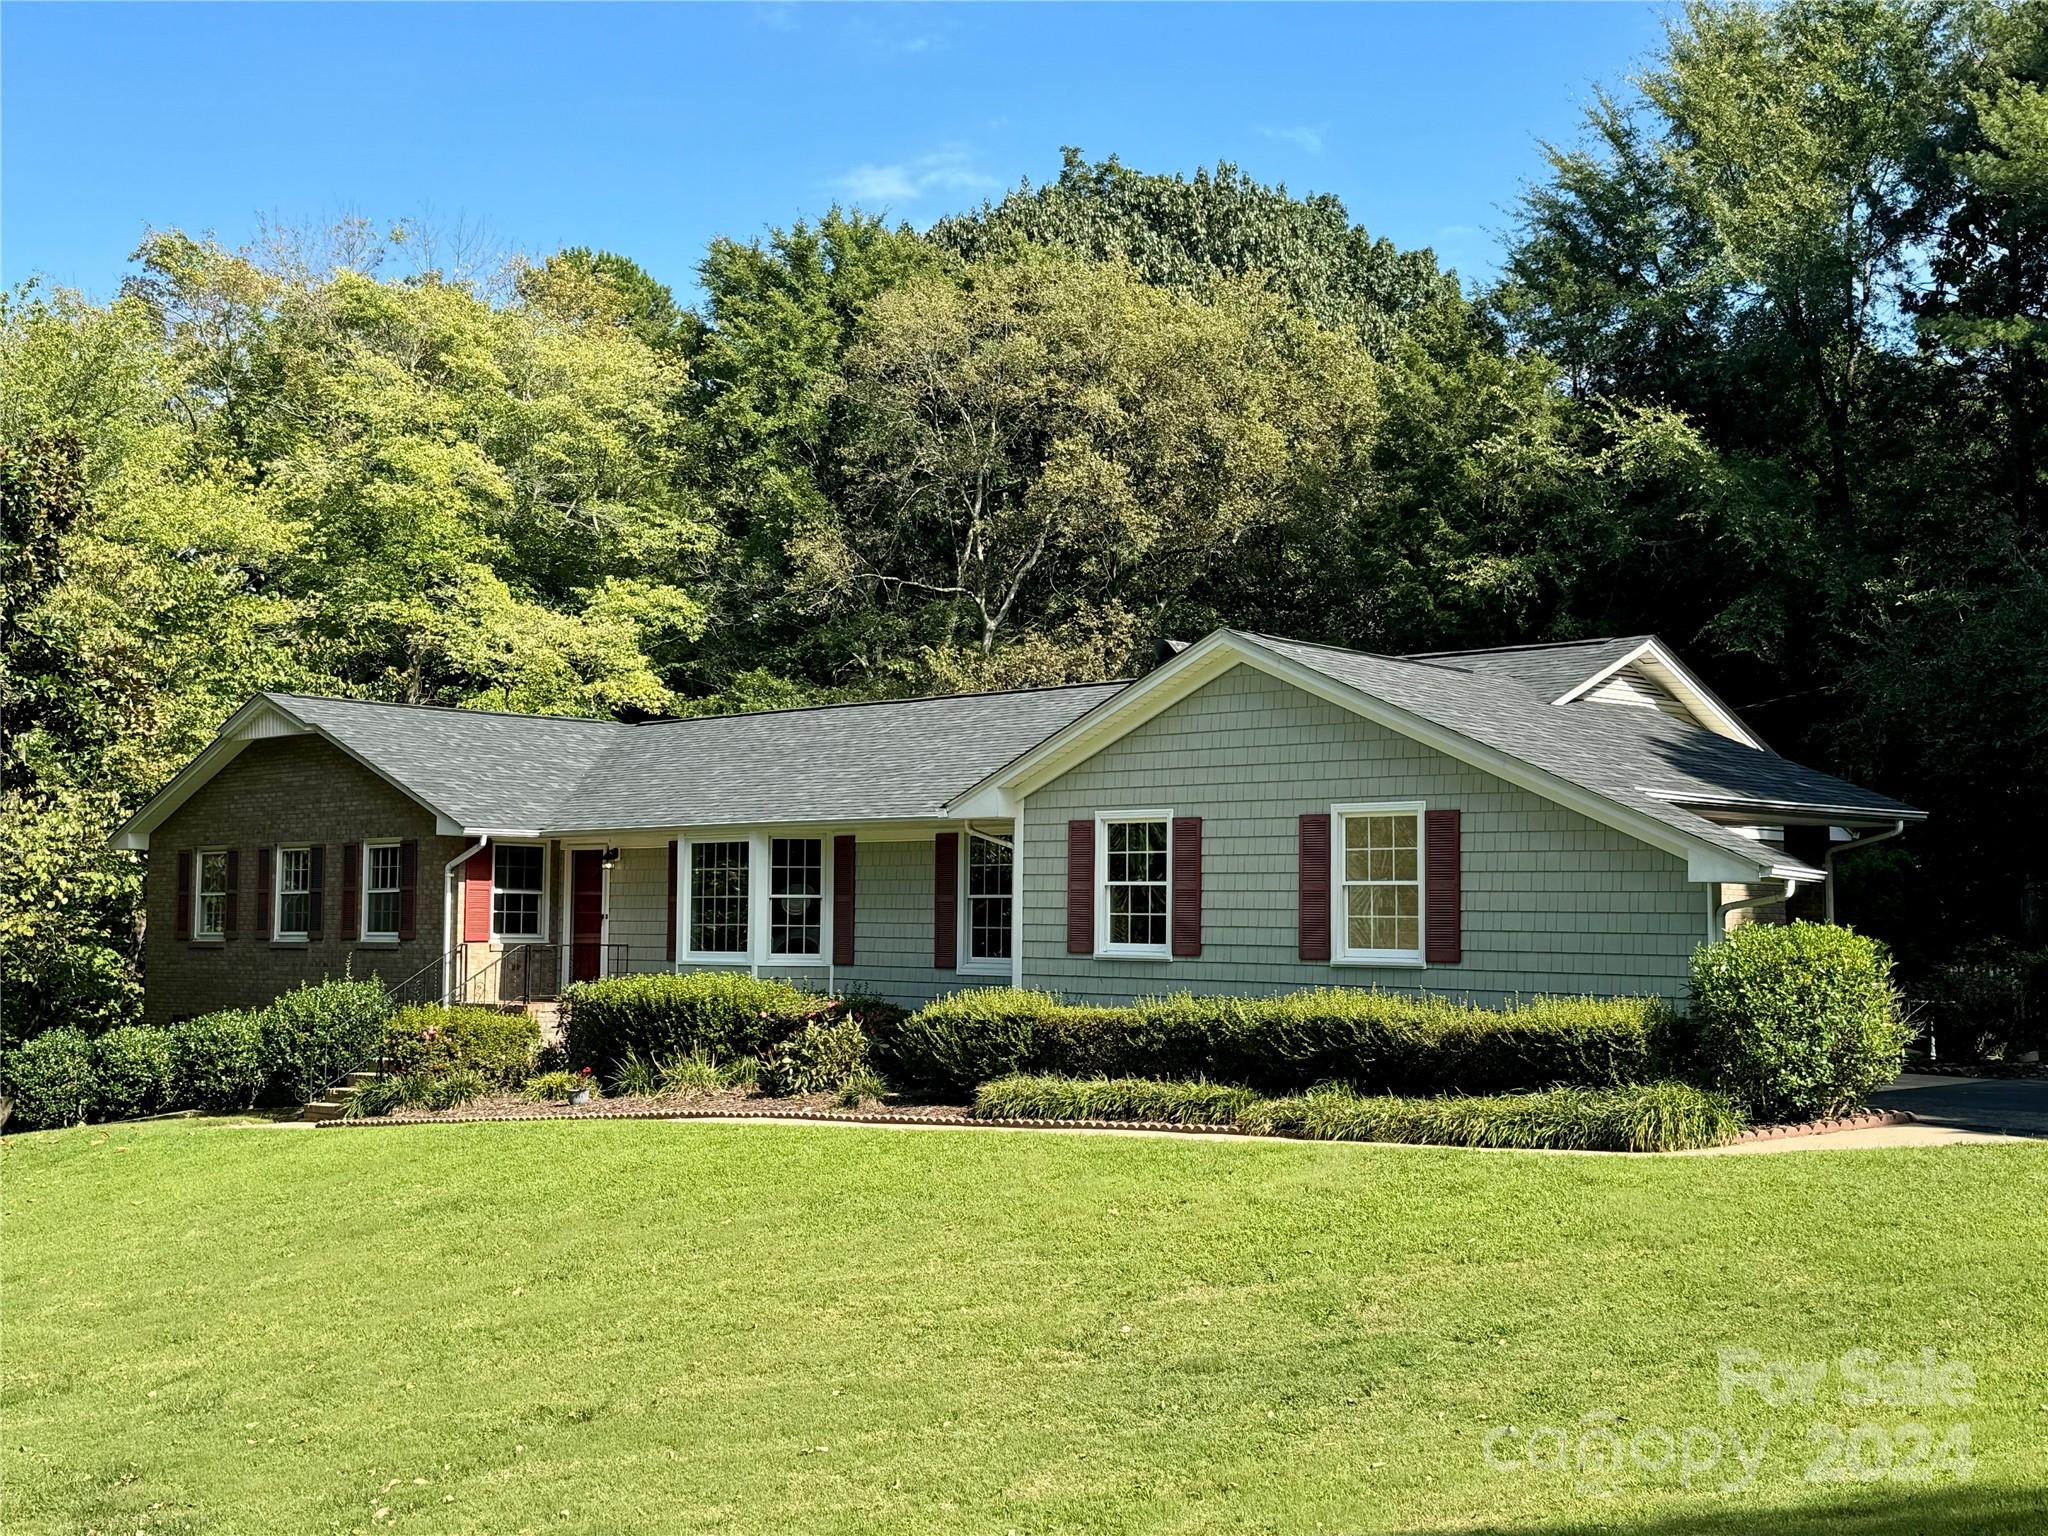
(317, 1031)
(498, 1044)
(1381, 1041)
(132, 1068)
(1798, 1020)
(662, 1015)
(50, 1079)
(217, 1060)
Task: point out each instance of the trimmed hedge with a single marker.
(1112, 1098)
(661, 1015)
(1375, 1040)
(317, 1031)
(1643, 1117)
(217, 1060)
(497, 1044)
(132, 1065)
(50, 1079)
(1798, 1021)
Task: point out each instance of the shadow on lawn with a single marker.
(1963, 1510)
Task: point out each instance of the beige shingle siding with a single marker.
(1554, 902)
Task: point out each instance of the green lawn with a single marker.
(666, 1327)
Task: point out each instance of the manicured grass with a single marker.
(663, 1327)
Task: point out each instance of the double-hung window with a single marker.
(518, 876)
(796, 897)
(990, 893)
(210, 917)
(294, 892)
(1378, 854)
(381, 879)
(719, 893)
(1132, 854)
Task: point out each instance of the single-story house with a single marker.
(1254, 815)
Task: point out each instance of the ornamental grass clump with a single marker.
(1111, 1098)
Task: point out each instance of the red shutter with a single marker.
(946, 901)
(1080, 887)
(231, 905)
(351, 898)
(1443, 896)
(409, 889)
(183, 926)
(317, 857)
(1313, 853)
(1187, 887)
(265, 863)
(842, 899)
(675, 853)
(476, 898)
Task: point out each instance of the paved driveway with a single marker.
(2017, 1106)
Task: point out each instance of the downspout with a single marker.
(1827, 862)
(448, 913)
(1721, 912)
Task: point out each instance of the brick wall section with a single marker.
(1553, 901)
(283, 792)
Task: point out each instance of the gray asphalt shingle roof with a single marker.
(1550, 670)
(854, 762)
(485, 770)
(1639, 758)
(885, 761)
(905, 759)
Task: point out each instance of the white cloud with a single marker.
(905, 181)
(1301, 136)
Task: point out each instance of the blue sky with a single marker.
(649, 129)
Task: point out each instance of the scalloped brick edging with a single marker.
(1869, 1120)
(845, 1116)
(1991, 1071)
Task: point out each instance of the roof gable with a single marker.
(1634, 769)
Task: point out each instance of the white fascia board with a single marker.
(876, 829)
(1115, 716)
(236, 732)
(1792, 810)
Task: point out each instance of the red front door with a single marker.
(586, 913)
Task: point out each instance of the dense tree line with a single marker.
(1764, 372)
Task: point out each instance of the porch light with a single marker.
(611, 857)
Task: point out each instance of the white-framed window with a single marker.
(294, 893)
(519, 873)
(383, 873)
(718, 891)
(1134, 870)
(987, 897)
(1376, 851)
(210, 911)
(796, 897)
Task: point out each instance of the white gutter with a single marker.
(448, 912)
(1827, 862)
(1721, 912)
